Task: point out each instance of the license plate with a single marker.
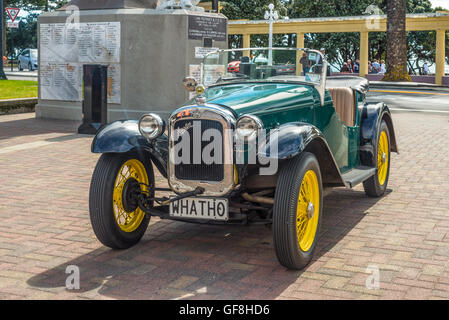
(200, 208)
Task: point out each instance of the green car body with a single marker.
(277, 104)
(314, 143)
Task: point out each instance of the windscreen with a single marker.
(262, 64)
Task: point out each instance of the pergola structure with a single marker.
(438, 22)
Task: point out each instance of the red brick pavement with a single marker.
(45, 171)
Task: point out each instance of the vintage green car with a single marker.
(252, 147)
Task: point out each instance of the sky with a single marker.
(440, 3)
(435, 3)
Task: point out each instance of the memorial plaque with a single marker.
(64, 49)
(207, 27)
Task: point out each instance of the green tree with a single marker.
(26, 35)
(251, 9)
(340, 46)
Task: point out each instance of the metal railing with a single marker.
(10, 63)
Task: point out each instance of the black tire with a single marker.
(372, 186)
(101, 209)
(20, 66)
(288, 250)
(30, 67)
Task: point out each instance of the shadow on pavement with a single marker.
(32, 126)
(177, 260)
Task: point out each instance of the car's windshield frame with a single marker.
(319, 86)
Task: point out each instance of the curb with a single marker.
(408, 85)
(12, 106)
(24, 75)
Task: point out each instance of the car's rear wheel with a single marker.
(377, 184)
(297, 211)
(116, 218)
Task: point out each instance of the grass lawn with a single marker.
(15, 89)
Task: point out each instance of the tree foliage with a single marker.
(340, 46)
(26, 35)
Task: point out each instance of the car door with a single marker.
(24, 58)
(28, 58)
(20, 59)
(336, 132)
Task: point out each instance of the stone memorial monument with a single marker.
(149, 47)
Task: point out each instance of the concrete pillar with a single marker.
(246, 44)
(299, 44)
(440, 56)
(364, 53)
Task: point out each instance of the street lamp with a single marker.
(271, 16)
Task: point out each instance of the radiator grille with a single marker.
(201, 171)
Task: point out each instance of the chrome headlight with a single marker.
(247, 127)
(151, 126)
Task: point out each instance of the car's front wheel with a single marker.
(297, 211)
(116, 218)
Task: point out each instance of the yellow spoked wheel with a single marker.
(115, 215)
(376, 185)
(382, 158)
(297, 211)
(307, 212)
(130, 180)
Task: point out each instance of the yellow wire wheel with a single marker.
(297, 211)
(129, 216)
(383, 155)
(117, 181)
(308, 210)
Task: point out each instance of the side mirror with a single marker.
(189, 84)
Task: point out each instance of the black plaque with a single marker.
(207, 27)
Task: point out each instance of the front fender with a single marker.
(120, 137)
(292, 139)
(124, 136)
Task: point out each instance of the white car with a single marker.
(28, 59)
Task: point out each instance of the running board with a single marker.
(358, 175)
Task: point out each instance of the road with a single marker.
(398, 99)
(413, 99)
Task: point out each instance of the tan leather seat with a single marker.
(344, 103)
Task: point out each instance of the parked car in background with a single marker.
(285, 69)
(28, 59)
(234, 66)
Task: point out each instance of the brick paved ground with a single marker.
(45, 172)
